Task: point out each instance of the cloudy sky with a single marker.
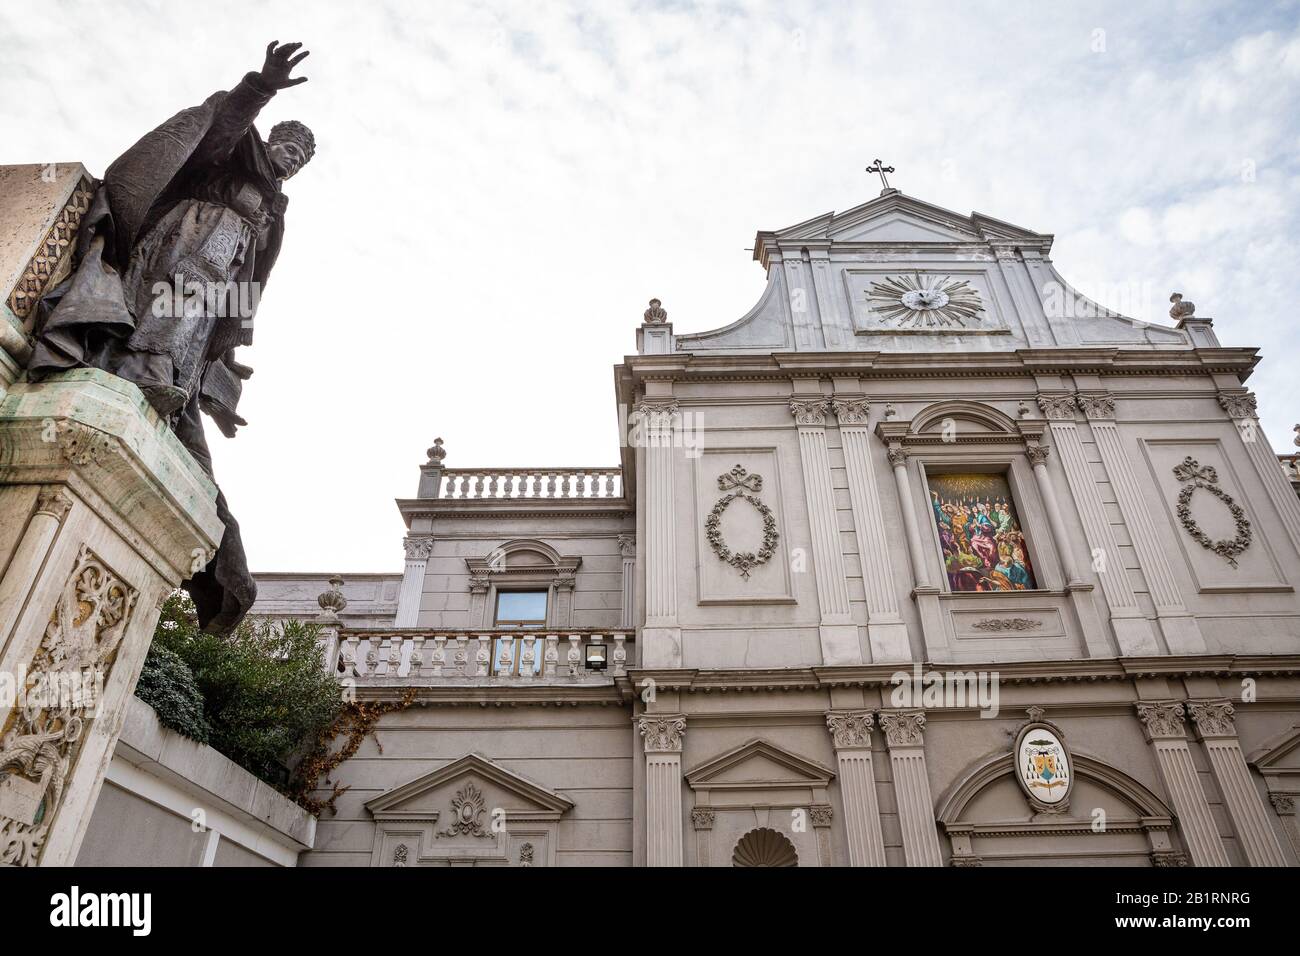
(500, 186)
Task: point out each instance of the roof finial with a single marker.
(656, 314)
(879, 167)
(1180, 308)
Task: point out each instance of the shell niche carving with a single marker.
(764, 847)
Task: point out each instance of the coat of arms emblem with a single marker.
(1043, 767)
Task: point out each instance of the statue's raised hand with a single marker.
(280, 61)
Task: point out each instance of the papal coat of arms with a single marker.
(1043, 766)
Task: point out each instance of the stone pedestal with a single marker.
(102, 514)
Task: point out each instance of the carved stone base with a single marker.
(102, 514)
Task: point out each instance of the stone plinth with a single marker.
(102, 514)
(41, 208)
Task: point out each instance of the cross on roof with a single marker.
(879, 167)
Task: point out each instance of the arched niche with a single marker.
(1112, 820)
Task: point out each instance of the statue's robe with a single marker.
(195, 200)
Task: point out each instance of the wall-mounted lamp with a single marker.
(596, 655)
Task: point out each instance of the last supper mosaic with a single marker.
(979, 533)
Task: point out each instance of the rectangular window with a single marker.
(523, 609)
(979, 531)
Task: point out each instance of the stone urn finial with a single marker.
(1180, 309)
(332, 602)
(437, 453)
(656, 314)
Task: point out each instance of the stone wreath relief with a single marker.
(741, 484)
(1195, 476)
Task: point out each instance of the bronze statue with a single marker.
(182, 233)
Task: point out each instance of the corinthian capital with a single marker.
(1213, 718)
(809, 412)
(662, 734)
(1097, 406)
(656, 413)
(1240, 405)
(418, 548)
(850, 728)
(1057, 408)
(903, 728)
(853, 411)
(1163, 720)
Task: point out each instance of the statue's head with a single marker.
(290, 146)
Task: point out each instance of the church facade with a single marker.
(926, 560)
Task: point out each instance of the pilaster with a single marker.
(1132, 630)
(418, 548)
(1218, 733)
(661, 636)
(886, 632)
(627, 548)
(1240, 407)
(662, 735)
(839, 635)
(1167, 734)
(1181, 632)
(904, 735)
(851, 733)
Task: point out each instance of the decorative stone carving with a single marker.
(1213, 718)
(400, 853)
(53, 501)
(1057, 408)
(964, 861)
(1283, 803)
(627, 545)
(526, 854)
(1163, 720)
(1195, 476)
(57, 247)
(850, 728)
(809, 412)
(1037, 454)
(821, 814)
(1035, 713)
(478, 585)
(418, 548)
(42, 741)
(333, 601)
(80, 444)
(854, 411)
(656, 314)
(436, 453)
(897, 456)
(1097, 406)
(662, 734)
(903, 729)
(566, 583)
(657, 414)
(741, 484)
(764, 847)
(702, 818)
(467, 808)
(1164, 858)
(1180, 308)
(1241, 405)
(1007, 624)
(930, 303)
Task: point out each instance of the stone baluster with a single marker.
(461, 656)
(552, 654)
(620, 655)
(349, 656)
(528, 658)
(483, 656)
(438, 659)
(575, 655)
(372, 656)
(505, 651)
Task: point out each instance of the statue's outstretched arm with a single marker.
(242, 104)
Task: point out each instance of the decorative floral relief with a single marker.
(41, 739)
(467, 809)
(1195, 476)
(741, 484)
(1007, 624)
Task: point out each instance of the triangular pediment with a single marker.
(893, 217)
(1279, 754)
(427, 795)
(758, 765)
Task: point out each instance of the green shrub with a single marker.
(265, 694)
(167, 685)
